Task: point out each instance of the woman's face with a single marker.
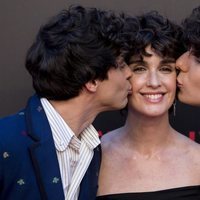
(153, 84)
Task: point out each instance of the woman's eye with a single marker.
(138, 69)
(167, 69)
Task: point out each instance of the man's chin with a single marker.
(187, 100)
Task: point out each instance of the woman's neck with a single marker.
(147, 135)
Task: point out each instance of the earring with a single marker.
(174, 108)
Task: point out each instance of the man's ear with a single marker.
(92, 85)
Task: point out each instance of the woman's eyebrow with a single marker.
(168, 60)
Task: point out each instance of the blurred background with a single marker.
(20, 21)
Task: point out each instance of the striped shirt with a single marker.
(74, 154)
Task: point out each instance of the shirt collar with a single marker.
(63, 135)
(91, 137)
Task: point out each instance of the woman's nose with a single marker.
(153, 80)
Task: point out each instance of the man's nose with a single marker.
(181, 62)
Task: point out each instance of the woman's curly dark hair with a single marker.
(153, 29)
(191, 32)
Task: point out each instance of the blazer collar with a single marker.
(42, 152)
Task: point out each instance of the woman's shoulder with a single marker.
(189, 143)
(190, 148)
(111, 139)
(194, 148)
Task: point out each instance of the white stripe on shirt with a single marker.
(74, 155)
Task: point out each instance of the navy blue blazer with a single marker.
(29, 168)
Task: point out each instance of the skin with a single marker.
(113, 92)
(96, 96)
(188, 79)
(153, 84)
(147, 152)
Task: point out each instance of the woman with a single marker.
(146, 158)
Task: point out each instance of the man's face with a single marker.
(188, 79)
(113, 92)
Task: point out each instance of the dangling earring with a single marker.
(174, 108)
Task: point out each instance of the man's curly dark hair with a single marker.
(76, 46)
(191, 30)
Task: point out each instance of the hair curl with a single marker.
(191, 32)
(76, 46)
(153, 29)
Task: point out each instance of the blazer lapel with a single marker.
(42, 152)
(89, 184)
